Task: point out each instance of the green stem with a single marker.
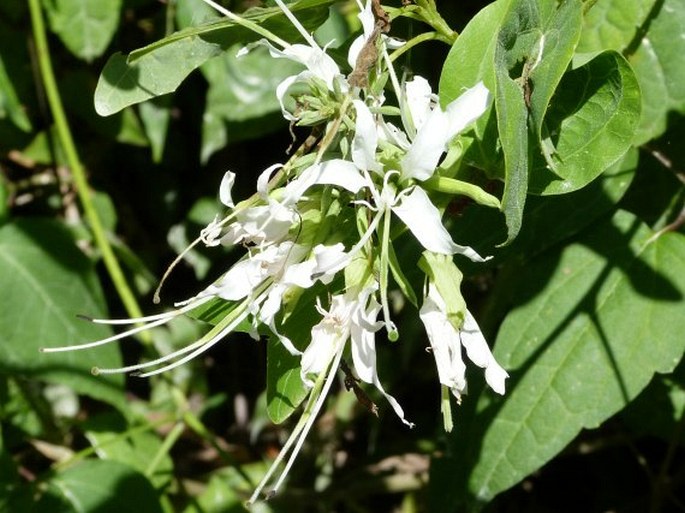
(414, 41)
(164, 449)
(78, 173)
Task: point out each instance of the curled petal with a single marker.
(479, 353)
(445, 345)
(225, 189)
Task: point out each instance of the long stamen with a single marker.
(194, 349)
(247, 24)
(299, 434)
(189, 305)
(296, 23)
(208, 345)
(107, 340)
(310, 421)
(355, 249)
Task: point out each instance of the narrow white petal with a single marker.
(365, 139)
(420, 99)
(281, 90)
(445, 346)
(427, 148)
(225, 189)
(467, 108)
(341, 173)
(423, 219)
(478, 351)
(263, 180)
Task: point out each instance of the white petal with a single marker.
(445, 346)
(263, 180)
(225, 189)
(367, 20)
(281, 90)
(329, 260)
(239, 281)
(423, 219)
(479, 353)
(342, 173)
(467, 108)
(427, 148)
(365, 139)
(420, 100)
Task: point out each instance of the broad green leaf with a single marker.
(512, 125)
(595, 322)
(51, 282)
(160, 67)
(99, 486)
(656, 56)
(591, 122)
(613, 24)
(113, 440)
(658, 64)
(85, 26)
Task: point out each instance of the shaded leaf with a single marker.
(102, 486)
(85, 26)
(595, 322)
(51, 282)
(160, 67)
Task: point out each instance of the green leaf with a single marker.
(596, 321)
(591, 122)
(155, 115)
(113, 440)
(85, 26)
(51, 282)
(649, 33)
(227, 490)
(10, 106)
(160, 67)
(102, 486)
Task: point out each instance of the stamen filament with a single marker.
(296, 23)
(239, 20)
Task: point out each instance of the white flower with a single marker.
(447, 342)
(317, 62)
(350, 317)
(434, 127)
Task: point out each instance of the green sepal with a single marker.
(454, 186)
(446, 276)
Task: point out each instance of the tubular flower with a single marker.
(447, 342)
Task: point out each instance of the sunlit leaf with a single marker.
(593, 324)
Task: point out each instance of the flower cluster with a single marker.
(327, 221)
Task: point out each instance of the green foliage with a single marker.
(572, 181)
